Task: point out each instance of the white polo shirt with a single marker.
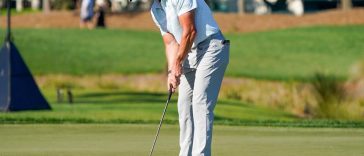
(165, 15)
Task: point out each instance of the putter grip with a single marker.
(170, 94)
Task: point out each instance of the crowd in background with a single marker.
(296, 7)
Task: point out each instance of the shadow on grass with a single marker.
(121, 97)
(115, 97)
(235, 103)
(247, 105)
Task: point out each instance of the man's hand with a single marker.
(172, 83)
(174, 76)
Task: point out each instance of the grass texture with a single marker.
(136, 140)
(296, 53)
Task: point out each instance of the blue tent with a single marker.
(18, 90)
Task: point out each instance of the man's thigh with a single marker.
(209, 74)
(185, 92)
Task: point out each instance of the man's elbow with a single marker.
(193, 33)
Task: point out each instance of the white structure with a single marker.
(260, 7)
(100, 3)
(19, 5)
(127, 5)
(294, 6)
(35, 4)
(118, 5)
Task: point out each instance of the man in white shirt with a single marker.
(86, 13)
(197, 55)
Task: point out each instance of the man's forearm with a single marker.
(187, 21)
(171, 49)
(185, 46)
(171, 53)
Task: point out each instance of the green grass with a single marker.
(297, 53)
(105, 107)
(132, 107)
(136, 140)
(3, 11)
(283, 54)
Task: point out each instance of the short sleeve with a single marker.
(183, 6)
(159, 20)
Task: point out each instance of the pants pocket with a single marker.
(215, 45)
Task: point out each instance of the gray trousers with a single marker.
(203, 71)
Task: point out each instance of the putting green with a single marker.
(135, 140)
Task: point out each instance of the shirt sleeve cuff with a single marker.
(163, 32)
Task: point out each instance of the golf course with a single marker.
(300, 51)
(292, 91)
(135, 140)
(123, 121)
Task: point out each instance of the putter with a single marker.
(161, 121)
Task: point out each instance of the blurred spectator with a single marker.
(101, 9)
(46, 6)
(87, 12)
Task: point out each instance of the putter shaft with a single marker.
(160, 123)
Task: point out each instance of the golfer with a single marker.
(197, 55)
